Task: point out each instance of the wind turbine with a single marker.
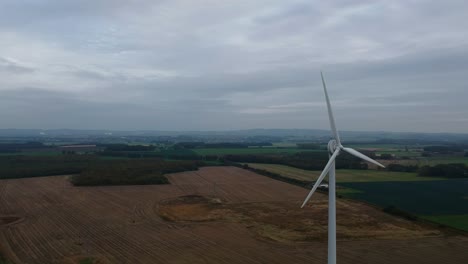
(334, 149)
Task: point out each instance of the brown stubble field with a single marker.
(214, 215)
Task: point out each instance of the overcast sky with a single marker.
(221, 65)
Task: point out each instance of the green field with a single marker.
(431, 161)
(379, 146)
(457, 221)
(393, 146)
(342, 175)
(395, 149)
(285, 144)
(441, 201)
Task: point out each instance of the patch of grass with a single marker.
(456, 221)
(347, 191)
(86, 261)
(432, 161)
(3, 260)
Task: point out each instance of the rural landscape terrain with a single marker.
(233, 132)
(228, 199)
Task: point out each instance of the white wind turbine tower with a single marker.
(334, 149)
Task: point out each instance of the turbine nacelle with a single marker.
(332, 146)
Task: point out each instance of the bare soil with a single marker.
(214, 215)
(283, 222)
(9, 220)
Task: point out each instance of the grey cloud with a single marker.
(394, 65)
(13, 67)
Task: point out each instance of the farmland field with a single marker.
(444, 200)
(214, 215)
(443, 160)
(395, 149)
(342, 175)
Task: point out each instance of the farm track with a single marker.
(120, 224)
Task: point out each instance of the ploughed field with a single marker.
(213, 215)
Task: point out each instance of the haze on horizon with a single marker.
(228, 65)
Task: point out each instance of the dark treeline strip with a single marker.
(192, 145)
(32, 166)
(125, 147)
(93, 170)
(402, 168)
(309, 146)
(453, 170)
(393, 210)
(386, 156)
(302, 160)
(132, 172)
(444, 149)
(131, 154)
(17, 147)
(177, 154)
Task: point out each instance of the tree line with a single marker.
(193, 145)
(32, 166)
(18, 147)
(453, 170)
(302, 160)
(132, 172)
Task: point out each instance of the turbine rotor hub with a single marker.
(332, 146)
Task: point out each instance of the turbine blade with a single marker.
(322, 176)
(362, 156)
(330, 113)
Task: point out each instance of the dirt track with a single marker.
(53, 222)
